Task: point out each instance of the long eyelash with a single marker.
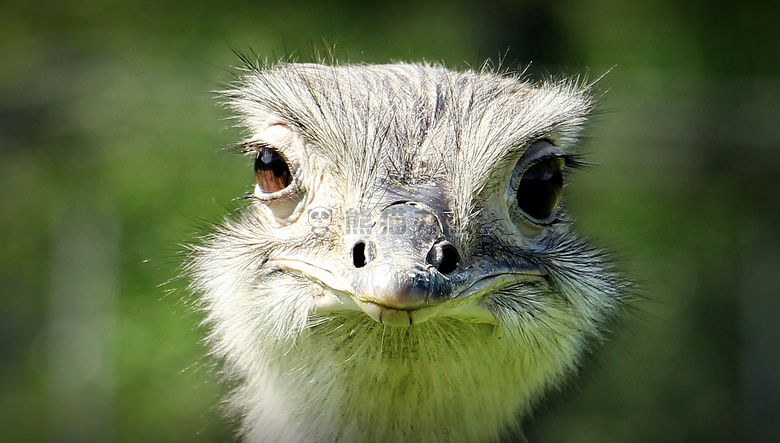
(247, 196)
(575, 161)
(248, 147)
(572, 161)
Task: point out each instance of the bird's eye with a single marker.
(540, 187)
(271, 170)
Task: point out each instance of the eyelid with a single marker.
(538, 151)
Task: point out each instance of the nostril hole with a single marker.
(449, 259)
(445, 257)
(359, 254)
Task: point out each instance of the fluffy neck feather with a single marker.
(352, 379)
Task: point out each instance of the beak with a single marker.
(402, 265)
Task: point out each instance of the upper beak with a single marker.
(402, 265)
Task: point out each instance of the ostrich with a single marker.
(404, 269)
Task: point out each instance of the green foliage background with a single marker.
(109, 161)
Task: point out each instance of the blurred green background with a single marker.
(109, 161)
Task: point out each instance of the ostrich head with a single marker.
(404, 269)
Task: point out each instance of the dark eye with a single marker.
(540, 188)
(271, 171)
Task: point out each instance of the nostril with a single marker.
(445, 257)
(449, 259)
(359, 254)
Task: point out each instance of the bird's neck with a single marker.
(352, 379)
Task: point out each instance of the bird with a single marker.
(404, 267)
